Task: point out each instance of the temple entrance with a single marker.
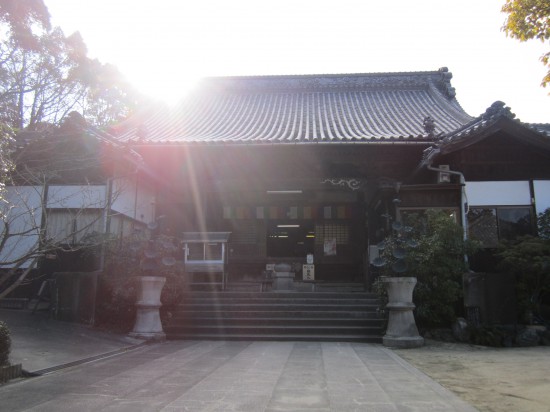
(290, 238)
(324, 230)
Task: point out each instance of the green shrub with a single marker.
(543, 224)
(117, 295)
(433, 247)
(487, 336)
(116, 299)
(5, 344)
(174, 288)
(127, 259)
(528, 259)
(438, 264)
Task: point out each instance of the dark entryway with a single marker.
(290, 238)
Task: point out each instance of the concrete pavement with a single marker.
(42, 344)
(231, 376)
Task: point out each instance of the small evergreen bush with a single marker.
(5, 344)
(431, 248)
(528, 259)
(116, 298)
(543, 224)
(119, 284)
(438, 264)
(487, 336)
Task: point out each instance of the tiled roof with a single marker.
(497, 117)
(543, 128)
(300, 109)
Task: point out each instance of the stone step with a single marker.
(279, 321)
(279, 295)
(268, 329)
(283, 314)
(281, 300)
(275, 307)
(229, 315)
(255, 286)
(376, 338)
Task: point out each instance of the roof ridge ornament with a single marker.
(429, 126)
(497, 109)
(444, 83)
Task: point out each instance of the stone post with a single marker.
(283, 278)
(148, 325)
(402, 331)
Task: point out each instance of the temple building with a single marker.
(275, 183)
(310, 169)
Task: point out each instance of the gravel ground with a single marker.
(491, 379)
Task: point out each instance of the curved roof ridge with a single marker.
(313, 75)
(439, 78)
(366, 107)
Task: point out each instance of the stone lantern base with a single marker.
(402, 331)
(148, 325)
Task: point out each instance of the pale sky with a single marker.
(164, 46)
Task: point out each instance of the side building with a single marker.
(72, 185)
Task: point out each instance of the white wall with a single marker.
(542, 195)
(508, 193)
(70, 226)
(76, 197)
(124, 196)
(23, 213)
(23, 210)
(134, 199)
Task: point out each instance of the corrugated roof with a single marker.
(301, 109)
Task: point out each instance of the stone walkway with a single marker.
(237, 376)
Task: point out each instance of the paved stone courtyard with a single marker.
(237, 376)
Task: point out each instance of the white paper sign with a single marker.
(329, 247)
(308, 272)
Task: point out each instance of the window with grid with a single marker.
(327, 231)
(417, 217)
(245, 232)
(248, 238)
(492, 224)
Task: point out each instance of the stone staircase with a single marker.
(314, 316)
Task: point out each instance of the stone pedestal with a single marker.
(402, 331)
(148, 325)
(283, 278)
